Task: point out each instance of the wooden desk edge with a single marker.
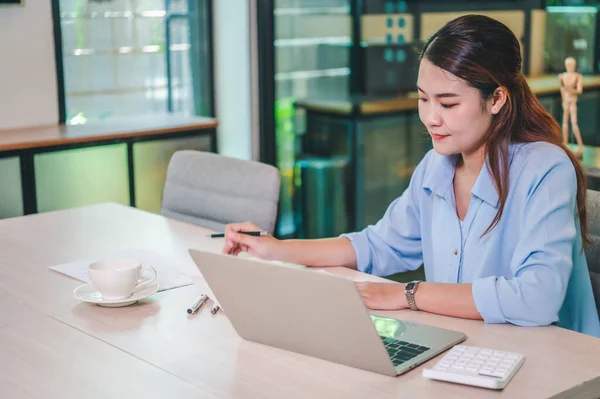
(587, 389)
(400, 104)
(58, 141)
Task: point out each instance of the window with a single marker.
(135, 57)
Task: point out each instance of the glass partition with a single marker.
(135, 57)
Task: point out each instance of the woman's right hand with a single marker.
(263, 247)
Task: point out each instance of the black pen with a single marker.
(250, 233)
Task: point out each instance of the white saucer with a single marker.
(89, 293)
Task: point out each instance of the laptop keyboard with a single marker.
(402, 351)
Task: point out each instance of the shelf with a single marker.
(312, 11)
(300, 42)
(321, 73)
(74, 16)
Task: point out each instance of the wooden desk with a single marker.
(46, 358)
(205, 350)
(25, 143)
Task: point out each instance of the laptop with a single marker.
(316, 314)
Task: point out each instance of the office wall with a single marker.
(28, 95)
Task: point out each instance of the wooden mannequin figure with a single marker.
(571, 85)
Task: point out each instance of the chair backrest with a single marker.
(592, 252)
(212, 190)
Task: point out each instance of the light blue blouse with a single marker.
(529, 270)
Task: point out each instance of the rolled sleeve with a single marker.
(486, 300)
(361, 246)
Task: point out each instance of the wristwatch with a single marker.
(409, 291)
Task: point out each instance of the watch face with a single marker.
(410, 286)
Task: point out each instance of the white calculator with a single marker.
(487, 368)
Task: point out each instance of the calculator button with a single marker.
(487, 373)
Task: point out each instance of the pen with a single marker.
(250, 233)
(197, 304)
(214, 309)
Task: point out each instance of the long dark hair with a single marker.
(486, 55)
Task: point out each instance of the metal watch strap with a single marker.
(410, 294)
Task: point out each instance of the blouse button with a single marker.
(455, 252)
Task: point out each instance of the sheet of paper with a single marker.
(168, 274)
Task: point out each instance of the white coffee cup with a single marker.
(118, 278)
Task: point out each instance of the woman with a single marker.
(496, 212)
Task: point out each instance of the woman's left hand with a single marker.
(382, 296)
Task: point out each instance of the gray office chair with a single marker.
(211, 190)
(592, 252)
